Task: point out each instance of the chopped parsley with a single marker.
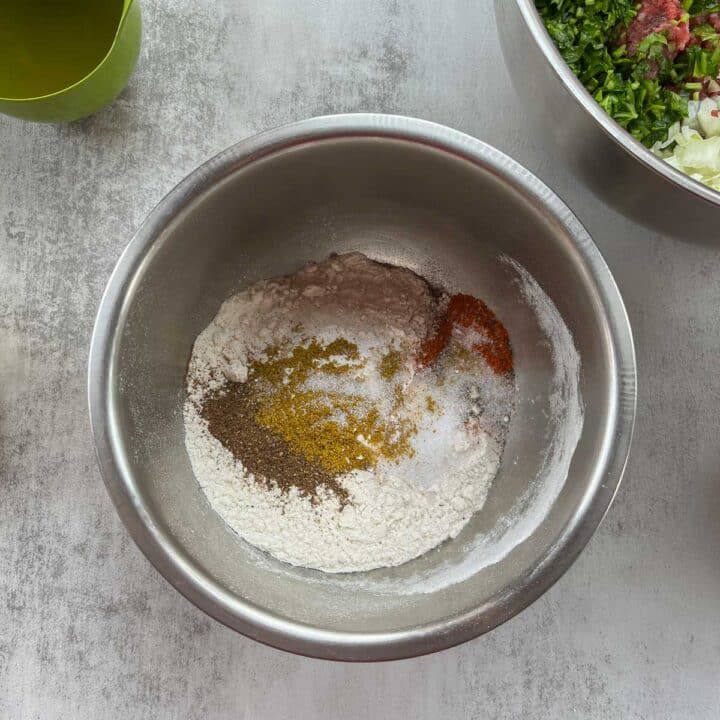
(648, 92)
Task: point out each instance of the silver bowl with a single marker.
(407, 192)
(610, 161)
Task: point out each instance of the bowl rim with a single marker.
(607, 124)
(174, 563)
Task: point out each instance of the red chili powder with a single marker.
(468, 312)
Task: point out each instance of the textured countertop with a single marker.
(89, 630)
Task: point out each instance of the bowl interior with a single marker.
(405, 203)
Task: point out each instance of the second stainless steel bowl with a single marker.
(406, 192)
(618, 168)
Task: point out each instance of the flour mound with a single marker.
(400, 509)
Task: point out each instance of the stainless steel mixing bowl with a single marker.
(410, 193)
(618, 168)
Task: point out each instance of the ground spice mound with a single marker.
(390, 364)
(338, 431)
(470, 313)
(292, 435)
(295, 366)
(301, 437)
(230, 415)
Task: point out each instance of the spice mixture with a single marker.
(348, 416)
(469, 313)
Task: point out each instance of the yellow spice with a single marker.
(390, 364)
(340, 432)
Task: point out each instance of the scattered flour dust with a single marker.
(396, 511)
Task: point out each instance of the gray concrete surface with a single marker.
(87, 627)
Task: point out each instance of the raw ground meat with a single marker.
(712, 19)
(657, 16)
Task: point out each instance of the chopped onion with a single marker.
(694, 145)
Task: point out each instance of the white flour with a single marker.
(401, 509)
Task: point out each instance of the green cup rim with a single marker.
(127, 4)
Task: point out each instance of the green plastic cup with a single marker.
(65, 60)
